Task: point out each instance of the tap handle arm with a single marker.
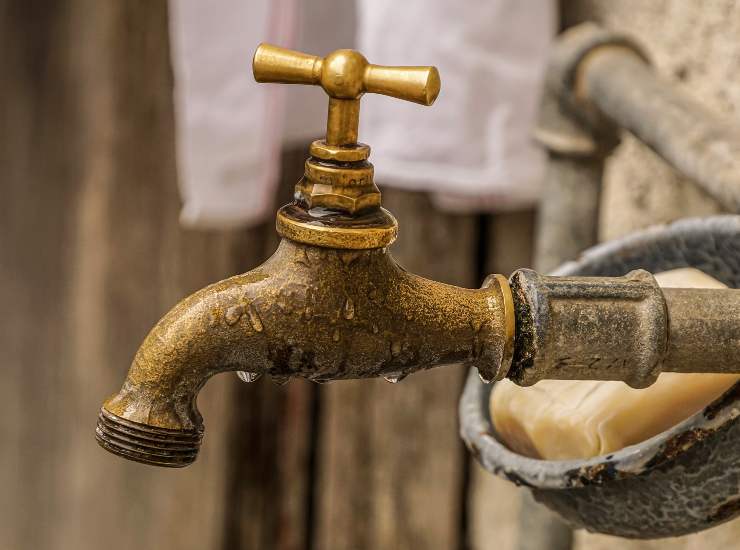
(276, 64)
(418, 84)
(345, 75)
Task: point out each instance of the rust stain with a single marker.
(729, 397)
(725, 511)
(677, 445)
(598, 474)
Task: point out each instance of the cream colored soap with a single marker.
(564, 419)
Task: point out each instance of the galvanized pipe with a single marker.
(703, 323)
(694, 140)
(604, 76)
(567, 220)
(568, 213)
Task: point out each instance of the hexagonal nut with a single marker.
(345, 187)
(344, 198)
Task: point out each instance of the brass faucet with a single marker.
(332, 303)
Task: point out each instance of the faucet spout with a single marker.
(312, 312)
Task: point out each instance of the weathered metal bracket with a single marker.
(603, 78)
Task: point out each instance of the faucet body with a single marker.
(308, 311)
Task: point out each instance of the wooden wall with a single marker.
(91, 255)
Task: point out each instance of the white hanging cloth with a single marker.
(230, 130)
(474, 147)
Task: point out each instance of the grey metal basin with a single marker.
(680, 481)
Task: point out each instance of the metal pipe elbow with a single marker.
(317, 313)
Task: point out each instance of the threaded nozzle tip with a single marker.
(147, 444)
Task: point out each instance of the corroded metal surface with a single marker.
(703, 323)
(571, 52)
(620, 328)
(567, 217)
(346, 187)
(567, 224)
(588, 328)
(313, 312)
(682, 480)
(329, 314)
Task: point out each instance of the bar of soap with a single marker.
(568, 419)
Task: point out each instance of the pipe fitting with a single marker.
(588, 328)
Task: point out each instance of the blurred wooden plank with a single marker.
(494, 505)
(91, 256)
(268, 477)
(390, 463)
(271, 442)
(510, 241)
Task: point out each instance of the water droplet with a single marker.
(280, 379)
(395, 348)
(320, 379)
(349, 309)
(375, 328)
(233, 314)
(254, 319)
(395, 377)
(248, 377)
(335, 336)
(484, 378)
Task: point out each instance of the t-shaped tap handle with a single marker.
(345, 75)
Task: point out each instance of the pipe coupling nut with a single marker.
(588, 328)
